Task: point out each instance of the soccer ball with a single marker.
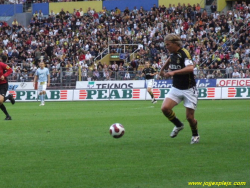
(117, 130)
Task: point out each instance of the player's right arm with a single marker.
(188, 63)
(165, 66)
(143, 73)
(35, 79)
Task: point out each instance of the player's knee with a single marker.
(166, 109)
(190, 117)
(149, 90)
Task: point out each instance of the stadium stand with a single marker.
(71, 42)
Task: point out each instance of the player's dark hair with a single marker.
(4, 58)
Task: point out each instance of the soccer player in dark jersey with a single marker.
(149, 73)
(5, 71)
(184, 86)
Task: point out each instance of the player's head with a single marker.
(147, 64)
(41, 64)
(173, 42)
(3, 58)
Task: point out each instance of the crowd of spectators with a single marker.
(218, 43)
(39, 1)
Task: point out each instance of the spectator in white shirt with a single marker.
(155, 65)
(5, 41)
(217, 28)
(236, 74)
(81, 12)
(183, 36)
(88, 58)
(242, 74)
(127, 76)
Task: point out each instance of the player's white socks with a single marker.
(44, 97)
(41, 97)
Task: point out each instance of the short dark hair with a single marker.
(4, 58)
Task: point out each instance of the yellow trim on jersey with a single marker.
(187, 53)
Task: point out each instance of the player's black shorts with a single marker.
(4, 89)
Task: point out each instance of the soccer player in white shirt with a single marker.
(42, 76)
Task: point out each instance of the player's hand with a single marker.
(48, 84)
(170, 74)
(2, 77)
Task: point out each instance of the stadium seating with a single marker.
(65, 36)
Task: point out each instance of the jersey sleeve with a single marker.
(7, 69)
(47, 72)
(187, 57)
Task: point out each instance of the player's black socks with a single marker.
(4, 110)
(5, 98)
(177, 122)
(171, 116)
(151, 94)
(194, 129)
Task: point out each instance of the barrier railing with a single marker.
(64, 78)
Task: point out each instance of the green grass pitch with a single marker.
(67, 145)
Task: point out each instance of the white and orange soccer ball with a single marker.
(117, 130)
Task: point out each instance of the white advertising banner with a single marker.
(209, 93)
(110, 94)
(159, 93)
(21, 85)
(204, 93)
(235, 93)
(239, 82)
(121, 84)
(128, 94)
(51, 95)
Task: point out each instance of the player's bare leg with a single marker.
(1, 99)
(149, 90)
(193, 125)
(166, 108)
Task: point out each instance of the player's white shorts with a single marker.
(42, 86)
(150, 83)
(189, 96)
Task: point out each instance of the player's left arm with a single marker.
(48, 80)
(48, 76)
(153, 73)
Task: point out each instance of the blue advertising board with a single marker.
(44, 7)
(199, 83)
(122, 4)
(10, 10)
